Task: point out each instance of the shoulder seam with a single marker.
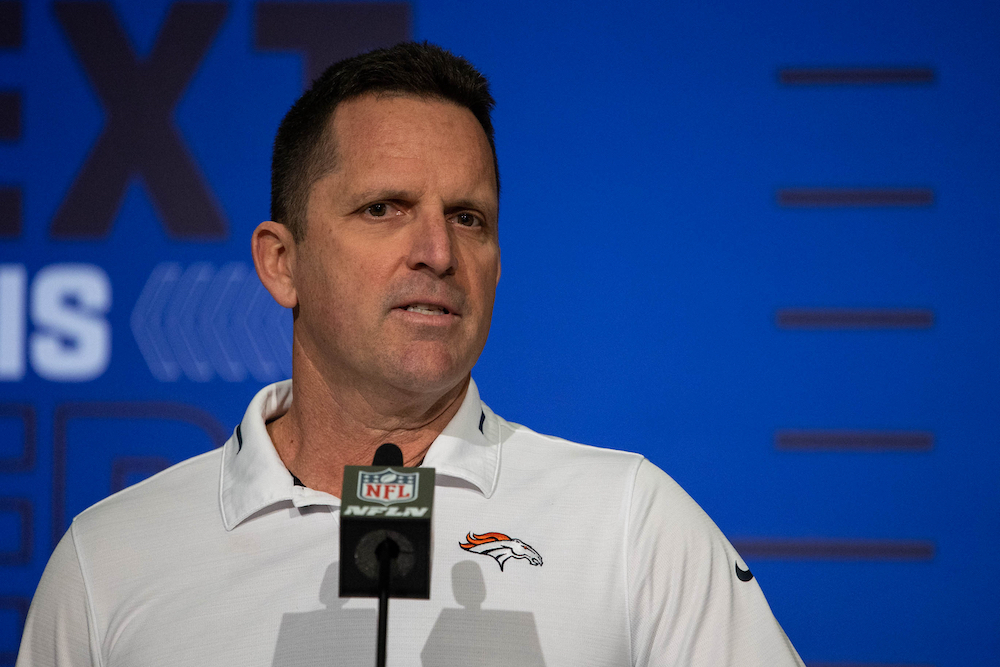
(516, 429)
(93, 630)
(132, 489)
(628, 542)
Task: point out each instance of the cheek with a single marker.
(325, 297)
(332, 273)
(489, 276)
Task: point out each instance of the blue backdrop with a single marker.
(755, 241)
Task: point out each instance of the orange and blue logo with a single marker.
(501, 548)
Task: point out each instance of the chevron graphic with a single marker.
(203, 323)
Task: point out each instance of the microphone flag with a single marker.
(379, 502)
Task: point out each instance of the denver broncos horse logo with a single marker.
(501, 547)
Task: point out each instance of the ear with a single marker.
(273, 250)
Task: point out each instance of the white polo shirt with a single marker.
(545, 552)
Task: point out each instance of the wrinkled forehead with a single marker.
(403, 124)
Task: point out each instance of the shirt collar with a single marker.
(469, 446)
(254, 478)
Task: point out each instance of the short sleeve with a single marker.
(57, 632)
(687, 606)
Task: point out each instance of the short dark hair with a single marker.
(303, 144)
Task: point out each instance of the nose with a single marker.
(432, 246)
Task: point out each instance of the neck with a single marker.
(330, 425)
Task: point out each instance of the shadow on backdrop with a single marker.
(330, 636)
(475, 636)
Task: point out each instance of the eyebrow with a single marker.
(470, 204)
(388, 194)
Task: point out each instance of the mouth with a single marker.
(427, 309)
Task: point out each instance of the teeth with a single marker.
(426, 310)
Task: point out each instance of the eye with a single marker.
(378, 210)
(467, 219)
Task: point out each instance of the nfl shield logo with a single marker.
(388, 487)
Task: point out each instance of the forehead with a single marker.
(385, 136)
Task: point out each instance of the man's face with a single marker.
(397, 272)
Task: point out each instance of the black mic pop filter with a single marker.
(386, 500)
(388, 455)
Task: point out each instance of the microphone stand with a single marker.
(387, 552)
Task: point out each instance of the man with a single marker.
(384, 245)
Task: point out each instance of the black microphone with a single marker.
(388, 455)
(386, 500)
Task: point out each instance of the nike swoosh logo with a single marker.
(743, 575)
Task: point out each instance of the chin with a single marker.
(429, 373)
